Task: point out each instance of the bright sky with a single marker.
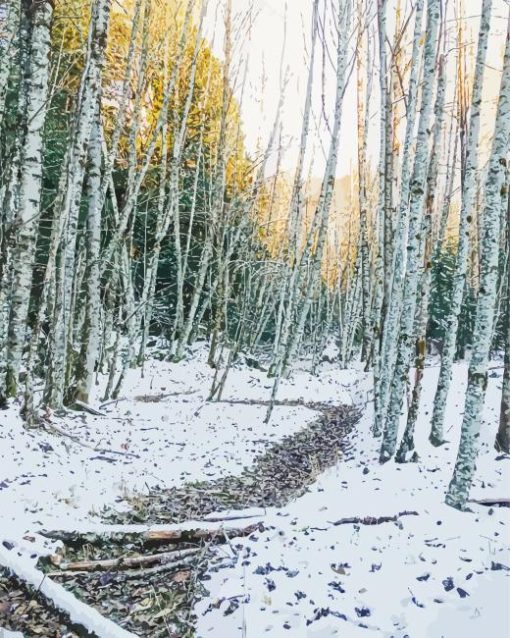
(268, 36)
(276, 22)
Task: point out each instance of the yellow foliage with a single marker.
(163, 21)
(272, 213)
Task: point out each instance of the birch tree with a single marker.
(421, 318)
(68, 207)
(503, 435)
(384, 363)
(90, 333)
(414, 243)
(364, 87)
(291, 333)
(465, 230)
(458, 490)
(30, 182)
(10, 14)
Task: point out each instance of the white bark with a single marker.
(414, 241)
(458, 490)
(287, 291)
(27, 217)
(465, 230)
(384, 365)
(407, 443)
(291, 335)
(135, 184)
(7, 50)
(503, 435)
(91, 329)
(68, 209)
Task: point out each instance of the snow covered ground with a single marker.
(161, 432)
(430, 575)
(440, 574)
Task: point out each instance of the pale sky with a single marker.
(278, 21)
(275, 23)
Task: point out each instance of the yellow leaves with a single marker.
(152, 29)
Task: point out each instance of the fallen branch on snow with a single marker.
(151, 536)
(371, 520)
(169, 559)
(156, 398)
(79, 613)
(77, 440)
(104, 405)
(502, 502)
(219, 518)
(88, 408)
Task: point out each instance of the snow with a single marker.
(47, 480)
(78, 612)
(393, 577)
(342, 575)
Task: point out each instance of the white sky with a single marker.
(276, 21)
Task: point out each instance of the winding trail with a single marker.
(162, 603)
(279, 475)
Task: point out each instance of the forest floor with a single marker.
(162, 456)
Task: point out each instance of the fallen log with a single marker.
(151, 536)
(123, 562)
(88, 408)
(88, 618)
(490, 502)
(371, 520)
(189, 536)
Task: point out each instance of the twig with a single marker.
(86, 445)
(124, 562)
(502, 502)
(88, 408)
(103, 405)
(371, 520)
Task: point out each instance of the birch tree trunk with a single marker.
(135, 184)
(70, 205)
(458, 490)
(173, 209)
(407, 443)
(379, 284)
(319, 228)
(414, 243)
(384, 368)
(17, 32)
(111, 155)
(465, 230)
(503, 435)
(286, 300)
(363, 121)
(26, 221)
(7, 50)
(90, 333)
